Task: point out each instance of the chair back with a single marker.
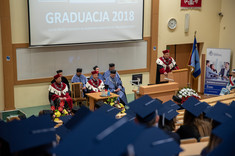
(188, 141)
(204, 139)
(77, 90)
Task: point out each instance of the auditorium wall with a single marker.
(1, 75)
(37, 94)
(227, 27)
(205, 21)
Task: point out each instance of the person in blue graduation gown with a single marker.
(107, 73)
(100, 76)
(114, 84)
(78, 77)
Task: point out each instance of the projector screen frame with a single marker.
(72, 44)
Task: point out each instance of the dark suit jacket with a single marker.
(221, 73)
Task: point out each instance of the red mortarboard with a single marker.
(57, 76)
(165, 51)
(94, 72)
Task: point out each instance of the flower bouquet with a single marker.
(59, 111)
(115, 103)
(183, 94)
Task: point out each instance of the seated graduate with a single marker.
(58, 91)
(194, 124)
(115, 86)
(221, 113)
(96, 68)
(107, 73)
(146, 110)
(78, 77)
(147, 113)
(167, 119)
(95, 84)
(63, 79)
(33, 136)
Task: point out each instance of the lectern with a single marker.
(180, 76)
(163, 91)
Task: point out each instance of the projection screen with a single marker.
(58, 22)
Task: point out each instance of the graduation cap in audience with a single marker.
(65, 119)
(59, 71)
(220, 112)
(232, 104)
(111, 65)
(75, 109)
(27, 134)
(62, 131)
(80, 115)
(146, 108)
(129, 113)
(45, 112)
(79, 70)
(107, 109)
(99, 104)
(208, 108)
(169, 110)
(99, 134)
(194, 106)
(154, 141)
(225, 131)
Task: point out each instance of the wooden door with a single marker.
(181, 53)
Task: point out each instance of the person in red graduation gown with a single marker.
(95, 84)
(58, 91)
(165, 64)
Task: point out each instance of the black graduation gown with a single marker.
(188, 131)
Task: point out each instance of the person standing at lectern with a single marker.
(165, 64)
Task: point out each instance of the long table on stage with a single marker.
(94, 97)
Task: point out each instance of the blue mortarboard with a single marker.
(194, 106)
(169, 110)
(232, 104)
(154, 141)
(225, 131)
(81, 114)
(115, 143)
(220, 112)
(129, 113)
(65, 119)
(99, 134)
(62, 131)
(225, 148)
(208, 108)
(145, 106)
(107, 109)
(28, 133)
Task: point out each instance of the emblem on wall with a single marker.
(191, 4)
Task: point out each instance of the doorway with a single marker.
(181, 54)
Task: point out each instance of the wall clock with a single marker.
(172, 23)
